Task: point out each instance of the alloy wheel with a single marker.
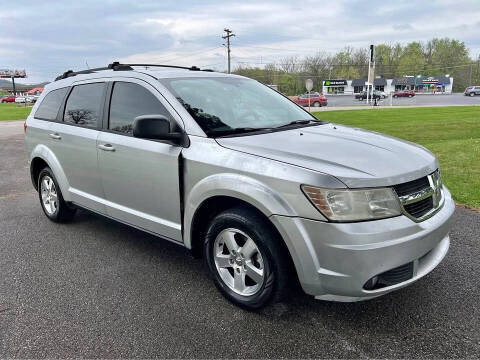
(49, 195)
(239, 262)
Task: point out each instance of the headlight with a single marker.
(354, 205)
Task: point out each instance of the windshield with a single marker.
(223, 105)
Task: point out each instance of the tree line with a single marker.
(436, 57)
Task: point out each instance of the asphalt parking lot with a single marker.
(98, 289)
(418, 100)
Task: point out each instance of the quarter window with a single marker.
(50, 105)
(84, 104)
(130, 100)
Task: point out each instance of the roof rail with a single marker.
(116, 66)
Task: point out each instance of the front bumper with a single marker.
(335, 260)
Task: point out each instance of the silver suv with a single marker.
(237, 173)
(472, 91)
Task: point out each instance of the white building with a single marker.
(420, 84)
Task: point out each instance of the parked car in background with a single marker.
(472, 91)
(32, 98)
(8, 99)
(316, 99)
(363, 95)
(404, 93)
(27, 98)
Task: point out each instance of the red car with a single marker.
(404, 93)
(316, 99)
(7, 99)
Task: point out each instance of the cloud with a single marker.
(55, 35)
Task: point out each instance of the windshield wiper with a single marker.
(298, 122)
(240, 130)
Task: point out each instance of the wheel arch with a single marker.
(42, 156)
(222, 190)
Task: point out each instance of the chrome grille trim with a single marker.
(434, 190)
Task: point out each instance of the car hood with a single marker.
(357, 157)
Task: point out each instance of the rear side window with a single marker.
(50, 105)
(128, 101)
(84, 104)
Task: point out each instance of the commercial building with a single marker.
(420, 84)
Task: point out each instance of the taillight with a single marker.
(25, 127)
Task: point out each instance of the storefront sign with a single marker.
(430, 80)
(8, 73)
(335, 82)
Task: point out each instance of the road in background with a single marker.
(418, 100)
(98, 289)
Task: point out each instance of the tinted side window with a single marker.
(50, 105)
(83, 105)
(128, 101)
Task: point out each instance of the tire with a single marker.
(409, 96)
(317, 104)
(264, 253)
(395, 96)
(51, 198)
(472, 94)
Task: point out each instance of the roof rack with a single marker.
(116, 66)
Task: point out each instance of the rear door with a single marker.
(74, 142)
(39, 126)
(140, 177)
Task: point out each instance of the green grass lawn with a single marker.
(11, 111)
(451, 133)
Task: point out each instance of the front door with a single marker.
(140, 177)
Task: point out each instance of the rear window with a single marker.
(50, 105)
(84, 104)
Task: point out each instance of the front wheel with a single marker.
(248, 263)
(317, 104)
(472, 94)
(51, 198)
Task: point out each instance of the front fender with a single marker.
(242, 187)
(43, 152)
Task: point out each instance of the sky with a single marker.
(49, 37)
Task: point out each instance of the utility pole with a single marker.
(471, 73)
(227, 36)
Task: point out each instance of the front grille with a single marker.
(411, 186)
(410, 191)
(419, 208)
(390, 277)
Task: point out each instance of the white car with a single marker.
(27, 98)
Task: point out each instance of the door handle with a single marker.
(55, 136)
(106, 147)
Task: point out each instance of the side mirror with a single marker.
(155, 127)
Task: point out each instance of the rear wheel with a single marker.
(248, 264)
(51, 198)
(317, 104)
(410, 96)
